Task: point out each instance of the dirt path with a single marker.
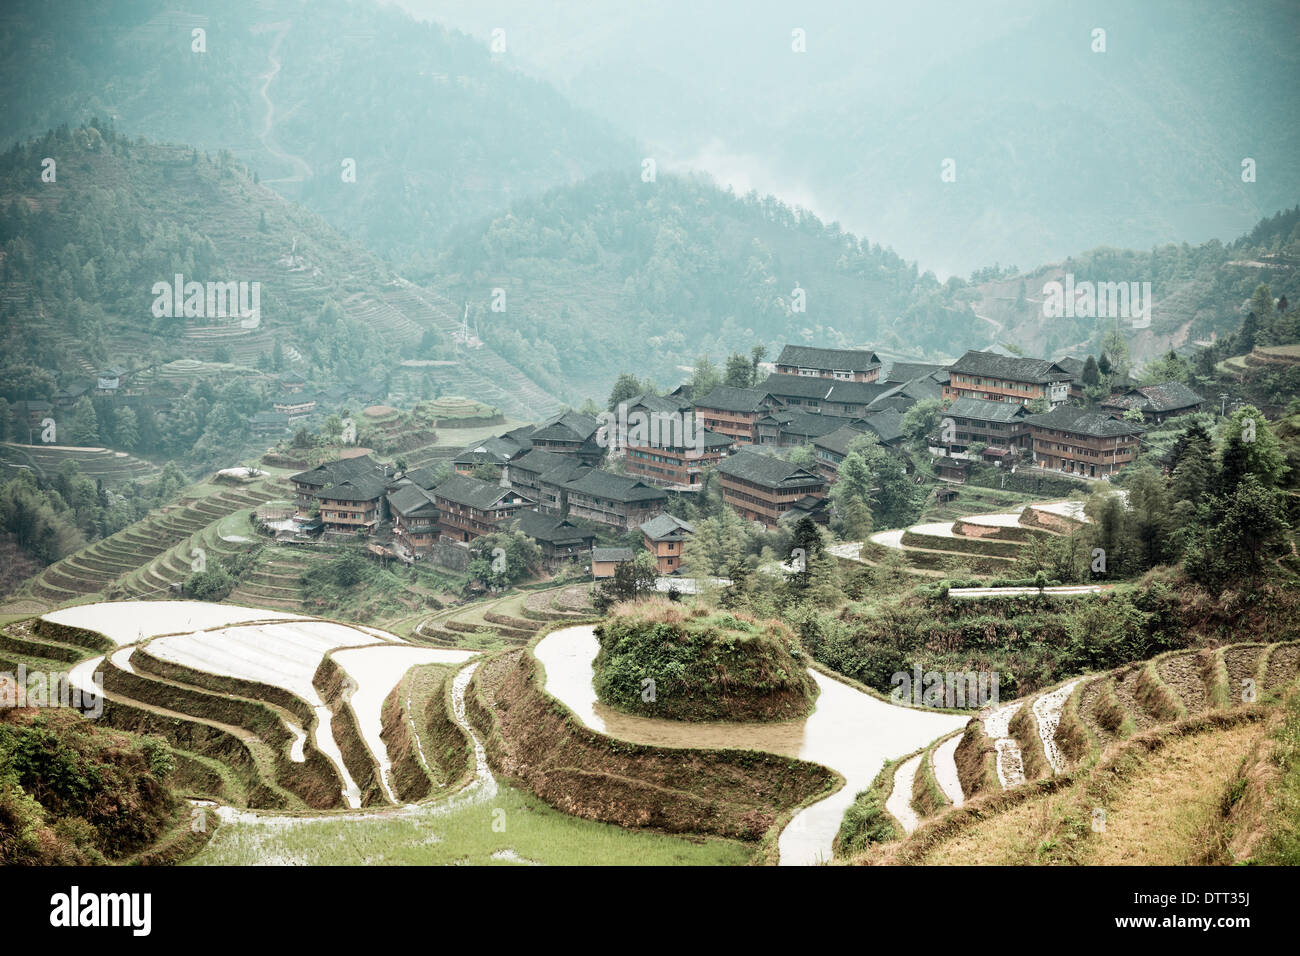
(301, 168)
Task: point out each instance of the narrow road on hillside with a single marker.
(301, 168)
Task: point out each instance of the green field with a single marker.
(511, 828)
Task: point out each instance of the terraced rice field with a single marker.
(114, 468)
(1157, 810)
(258, 692)
(149, 556)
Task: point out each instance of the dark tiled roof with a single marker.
(425, 477)
(765, 470)
(464, 490)
(887, 424)
(666, 527)
(611, 554)
(729, 399)
(656, 403)
(977, 409)
(343, 470)
(410, 500)
(550, 528)
(823, 389)
(567, 426)
(359, 489)
(844, 360)
(804, 424)
(901, 372)
(1009, 368)
(838, 441)
(1165, 397)
(495, 451)
(1084, 421)
(604, 484)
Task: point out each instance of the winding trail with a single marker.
(302, 169)
(849, 731)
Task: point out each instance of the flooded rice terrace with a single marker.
(849, 731)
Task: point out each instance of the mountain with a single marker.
(437, 129)
(617, 274)
(83, 257)
(1057, 148)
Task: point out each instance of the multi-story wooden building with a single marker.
(354, 506)
(734, 411)
(680, 467)
(823, 396)
(351, 488)
(494, 453)
(1007, 378)
(1082, 441)
(415, 520)
(570, 433)
(618, 501)
(763, 488)
(541, 475)
(559, 539)
(665, 537)
(1156, 402)
(995, 424)
(844, 365)
(831, 450)
(469, 508)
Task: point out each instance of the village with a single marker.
(583, 487)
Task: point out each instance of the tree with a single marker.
(1249, 332)
(1239, 548)
(1103, 365)
(705, 378)
(1038, 406)
(803, 455)
(625, 387)
(1091, 372)
(1249, 447)
(921, 419)
(1133, 416)
(1171, 368)
(717, 544)
(126, 428)
(756, 356)
(739, 372)
(1115, 347)
(83, 426)
(1261, 306)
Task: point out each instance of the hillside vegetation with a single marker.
(700, 665)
